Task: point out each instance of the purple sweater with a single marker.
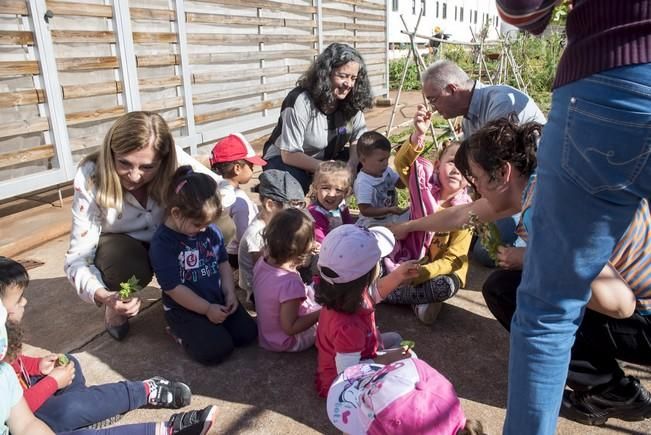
(601, 34)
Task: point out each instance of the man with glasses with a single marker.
(450, 92)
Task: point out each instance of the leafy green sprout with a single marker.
(62, 360)
(129, 288)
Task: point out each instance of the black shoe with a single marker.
(626, 400)
(168, 394)
(196, 422)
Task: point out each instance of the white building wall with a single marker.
(454, 17)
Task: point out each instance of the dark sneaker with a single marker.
(627, 400)
(197, 422)
(106, 422)
(168, 394)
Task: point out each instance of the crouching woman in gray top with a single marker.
(322, 115)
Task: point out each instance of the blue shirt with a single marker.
(190, 261)
(489, 103)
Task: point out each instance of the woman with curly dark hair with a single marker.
(321, 115)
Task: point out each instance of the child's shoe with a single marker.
(167, 394)
(427, 313)
(196, 422)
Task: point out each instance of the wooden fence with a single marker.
(68, 69)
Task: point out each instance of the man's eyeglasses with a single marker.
(432, 100)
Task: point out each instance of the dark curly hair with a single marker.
(498, 142)
(316, 81)
(12, 273)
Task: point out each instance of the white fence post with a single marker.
(126, 54)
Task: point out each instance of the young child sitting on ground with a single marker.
(58, 394)
(348, 290)
(406, 397)
(444, 256)
(286, 309)
(188, 255)
(278, 190)
(331, 185)
(233, 158)
(375, 185)
(15, 415)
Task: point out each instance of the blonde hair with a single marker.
(330, 168)
(133, 131)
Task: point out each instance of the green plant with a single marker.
(62, 360)
(488, 234)
(129, 288)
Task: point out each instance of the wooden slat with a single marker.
(19, 128)
(153, 37)
(25, 156)
(8, 37)
(63, 36)
(239, 111)
(91, 89)
(249, 74)
(18, 68)
(80, 9)
(327, 39)
(13, 7)
(157, 60)
(194, 17)
(176, 123)
(351, 14)
(163, 104)
(332, 25)
(85, 143)
(152, 14)
(245, 39)
(210, 58)
(209, 97)
(87, 63)
(78, 118)
(159, 83)
(361, 4)
(264, 4)
(21, 98)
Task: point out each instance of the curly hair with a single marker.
(15, 335)
(316, 81)
(498, 142)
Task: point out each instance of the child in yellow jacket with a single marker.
(445, 263)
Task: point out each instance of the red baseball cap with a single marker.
(234, 147)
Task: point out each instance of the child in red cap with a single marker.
(233, 158)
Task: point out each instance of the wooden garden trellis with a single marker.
(209, 67)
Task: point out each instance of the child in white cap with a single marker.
(348, 290)
(406, 397)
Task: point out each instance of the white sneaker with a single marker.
(427, 313)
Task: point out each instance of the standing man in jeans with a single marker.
(593, 170)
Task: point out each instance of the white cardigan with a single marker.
(89, 220)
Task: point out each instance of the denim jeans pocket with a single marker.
(604, 148)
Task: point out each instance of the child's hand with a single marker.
(392, 355)
(47, 363)
(422, 119)
(231, 303)
(316, 248)
(217, 313)
(63, 375)
(398, 210)
(407, 270)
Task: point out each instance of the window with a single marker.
(445, 10)
(461, 14)
(437, 9)
(456, 13)
(394, 5)
(423, 11)
(413, 7)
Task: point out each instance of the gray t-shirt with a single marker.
(304, 128)
(250, 242)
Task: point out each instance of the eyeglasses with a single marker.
(432, 100)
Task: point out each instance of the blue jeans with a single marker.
(125, 429)
(78, 405)
(593, 169)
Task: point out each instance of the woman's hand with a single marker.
(128, 308)
(509, 257)
(399, 231)
(217, 313)
(63, 375)
(47, 363)
(422, 119)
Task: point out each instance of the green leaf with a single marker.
(63, 360)
(408, 344)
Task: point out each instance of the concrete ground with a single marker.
(260, 392)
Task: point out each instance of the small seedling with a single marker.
(488, 234)
(129, 288)
(63, 360)
(407, 345)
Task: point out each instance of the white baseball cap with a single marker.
(351, 251)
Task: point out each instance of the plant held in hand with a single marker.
(63, 360)
(129, 288)
(488, 234)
